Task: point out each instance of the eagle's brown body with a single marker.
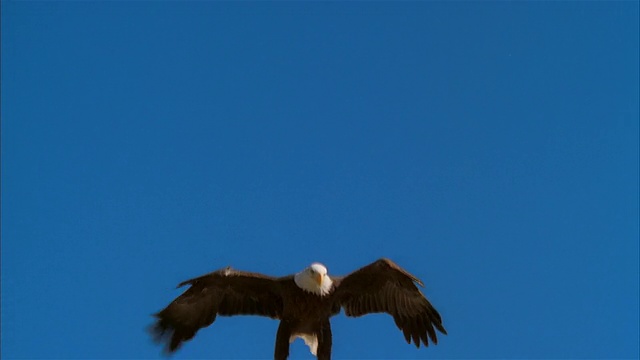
(304, 313)
(379, 287)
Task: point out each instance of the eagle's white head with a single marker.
(314, 279)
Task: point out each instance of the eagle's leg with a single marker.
(282, 341)
(324, 341)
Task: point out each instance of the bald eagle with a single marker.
(303, 303)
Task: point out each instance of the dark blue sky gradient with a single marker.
(489, 148)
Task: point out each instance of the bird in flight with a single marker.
(303, 302)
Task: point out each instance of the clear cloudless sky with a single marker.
(490, 148)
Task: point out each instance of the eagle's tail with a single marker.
(311, 340)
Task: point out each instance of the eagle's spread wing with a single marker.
(224, 292)
(383, 286)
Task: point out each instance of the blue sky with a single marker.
(490, 148)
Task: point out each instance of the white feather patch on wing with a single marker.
(311, 340)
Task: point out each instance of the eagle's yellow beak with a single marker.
(319, 278)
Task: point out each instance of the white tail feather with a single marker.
(311, 340)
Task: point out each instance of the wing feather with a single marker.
(224, 292)
(383, 286)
